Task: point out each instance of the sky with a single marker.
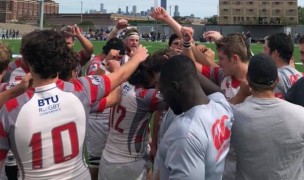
(200, 8)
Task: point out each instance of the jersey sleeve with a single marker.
(95, 86)
(185, 159)
(152, 99)
(94, 64)
(215, 74)
(92, 68)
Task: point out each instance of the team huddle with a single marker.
(173, 114)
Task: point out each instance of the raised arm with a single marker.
(121, 24)
(212, 35)
(204, 55)
(87, 46)
(187, 38)
(161, 14)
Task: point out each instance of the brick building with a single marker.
(15, 10)
(253, 12)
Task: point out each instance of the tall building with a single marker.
(134, 10)
(127, 9)
(102, 9)
(14, 10)
(258, 12)
(163, 3)
(176, 13)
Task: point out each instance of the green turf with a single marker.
(154, 46)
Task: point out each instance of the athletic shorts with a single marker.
(97, 135)
(136, 170)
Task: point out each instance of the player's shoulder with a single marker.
(18, 102)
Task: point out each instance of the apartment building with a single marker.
(14, 10)
(254, 12)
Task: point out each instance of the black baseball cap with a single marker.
(262, 70)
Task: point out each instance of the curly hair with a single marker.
(146, 70)
(5, 56)
(46, 53)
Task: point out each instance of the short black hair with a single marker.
(45, 53)
(283, 44)
(178, 68)
(171, 39)
(114, 43)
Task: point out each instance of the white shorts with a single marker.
(136, 170)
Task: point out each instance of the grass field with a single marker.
(154, 46)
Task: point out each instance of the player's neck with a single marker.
(38, 82)
(263, 94)
(241, 74)
(196, 97)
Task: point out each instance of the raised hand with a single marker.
(212, 35)
(187, 34)
(122, 24)
(112, 65)
(141, 53)
(159, 13)
(73, 30)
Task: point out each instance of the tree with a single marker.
(212, 19)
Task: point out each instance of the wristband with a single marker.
(186, 44)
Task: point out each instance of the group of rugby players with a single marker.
(173, 114)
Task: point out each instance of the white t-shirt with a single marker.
(196, 143)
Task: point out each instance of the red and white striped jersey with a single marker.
(45, 127)
(127, 139)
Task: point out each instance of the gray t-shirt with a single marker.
(196, 143)
(268, 139)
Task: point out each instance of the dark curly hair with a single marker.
(146, 70)
(46, 52)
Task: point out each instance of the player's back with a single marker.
(127, 139)
(46, 129)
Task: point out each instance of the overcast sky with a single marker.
(200, 8)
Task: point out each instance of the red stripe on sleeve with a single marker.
(11, 104)
(3, 154)
(102, 105)
(206, 71)
(77, 85)
(93, 90)
(107, 83)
